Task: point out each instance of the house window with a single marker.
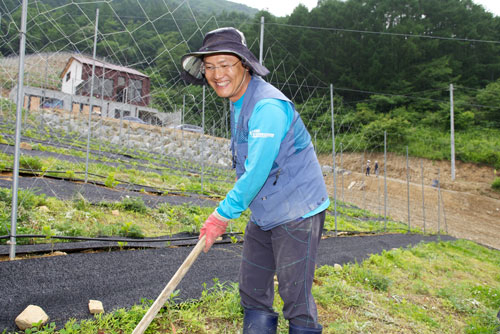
(68, 76)
(108, 87)
(97, 86)
(121, 81)
(135, 90)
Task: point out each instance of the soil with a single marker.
(469, 208)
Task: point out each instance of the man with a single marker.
(278, 178)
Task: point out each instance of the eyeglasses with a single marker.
(211, 69)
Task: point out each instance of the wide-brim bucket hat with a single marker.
(222, 40)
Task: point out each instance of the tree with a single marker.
(489, 99)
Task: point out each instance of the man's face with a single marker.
(226, 75)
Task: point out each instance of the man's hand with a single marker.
(214, 227)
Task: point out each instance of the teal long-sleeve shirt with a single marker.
(268, 125)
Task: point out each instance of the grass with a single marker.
(475, 145)
(440, 287)
(79, 217)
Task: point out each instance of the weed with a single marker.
(110, 181)
(81, 204)
(122, 244)
(134, 204)
(49, 233)
(70, 174)
(131, 230)
(39, 147)
(496, 184)
(31, 163)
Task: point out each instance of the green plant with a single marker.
(38, 147)
(131, 230)
(28, 199)
(496, 184)
(122, 244)
(371, 278)
(170, 220)
(110, 181)
(134, 204)
(69, 228)
(31, 163)
(70, 174)
(3, 140)
(396, 128)
(234, 239)
(5, 195)
(81, 203)
(49, 233)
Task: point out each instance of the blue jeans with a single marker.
(289, 251)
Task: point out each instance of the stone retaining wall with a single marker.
(161, 140)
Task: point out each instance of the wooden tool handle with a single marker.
(174, 281)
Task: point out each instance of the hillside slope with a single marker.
(469, 208)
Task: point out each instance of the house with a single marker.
(112, 82)
(119, 92)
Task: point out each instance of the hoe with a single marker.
(169, 288)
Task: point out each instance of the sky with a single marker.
(286, 7)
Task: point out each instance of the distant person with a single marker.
(278, 177)
(376, 168)
(368, 168)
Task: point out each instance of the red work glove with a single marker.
(214, 227)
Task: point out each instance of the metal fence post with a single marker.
(91, 95)
(203, 138)
(408, 188)
(385, 180)
(363, 171)
(439, 204)
(20, 100)
(334, 164)
(342, 169)
(444, 212)
(423, 192)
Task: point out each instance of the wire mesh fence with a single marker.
(123, 126)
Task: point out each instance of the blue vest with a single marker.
(295, 185)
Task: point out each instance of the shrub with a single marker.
(70, 174)
(131, 230)
(38, 147)
(374, 280)
(3, 140)
(32, 163)
(27, 199)
(5, 195)
(110, 181)
(373, 133)
(81, 204)
(135, 204)
(496, 184)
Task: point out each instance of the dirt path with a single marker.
(468, 208)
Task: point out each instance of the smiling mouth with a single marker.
(222, 84)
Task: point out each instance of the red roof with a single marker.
(98, 63)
